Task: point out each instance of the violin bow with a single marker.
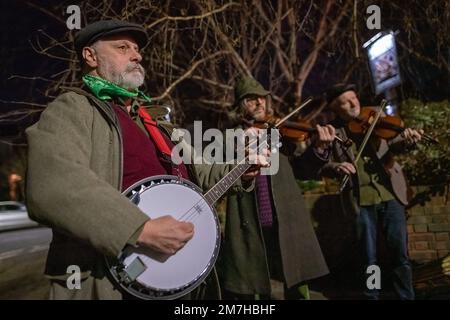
(293, 112)
(304, 104)
(364, 143)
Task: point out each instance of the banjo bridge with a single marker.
(198, 208)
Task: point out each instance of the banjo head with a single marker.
(147, 274)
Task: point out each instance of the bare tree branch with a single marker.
(188, 73)
(200, 16)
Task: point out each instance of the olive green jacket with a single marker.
(243, 264)
(74, 180)
(383, 156)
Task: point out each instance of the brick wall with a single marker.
(428, 226)
(429, 230)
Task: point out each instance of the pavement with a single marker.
(22, 262)
(23, 254)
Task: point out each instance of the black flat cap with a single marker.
(102, 28)
(336, 90)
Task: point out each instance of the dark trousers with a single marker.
(391, 215)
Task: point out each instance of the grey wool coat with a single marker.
(74, 186)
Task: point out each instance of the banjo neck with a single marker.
(217, 191)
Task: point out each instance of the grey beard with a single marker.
(129, 79)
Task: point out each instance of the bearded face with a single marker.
(256, 107)
(116, 59)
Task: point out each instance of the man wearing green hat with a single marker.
(88, 146)
(268, 233)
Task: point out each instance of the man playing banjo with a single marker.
(92, 144)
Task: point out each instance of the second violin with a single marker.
(387, 127)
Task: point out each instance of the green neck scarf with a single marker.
(106, 90)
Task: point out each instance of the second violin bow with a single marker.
(363, 144)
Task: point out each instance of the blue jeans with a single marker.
(392, 217)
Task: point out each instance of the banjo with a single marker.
(150, 275)
(147, 274)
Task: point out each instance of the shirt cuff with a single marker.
(322, 154)
(135, 236)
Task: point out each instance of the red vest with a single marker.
(141, 158)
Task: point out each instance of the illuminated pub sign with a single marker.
(383, 61)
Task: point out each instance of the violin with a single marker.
(296, 131)
(387, 127)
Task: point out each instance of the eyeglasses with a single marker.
(254, 98)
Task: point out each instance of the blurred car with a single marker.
(13, 215)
